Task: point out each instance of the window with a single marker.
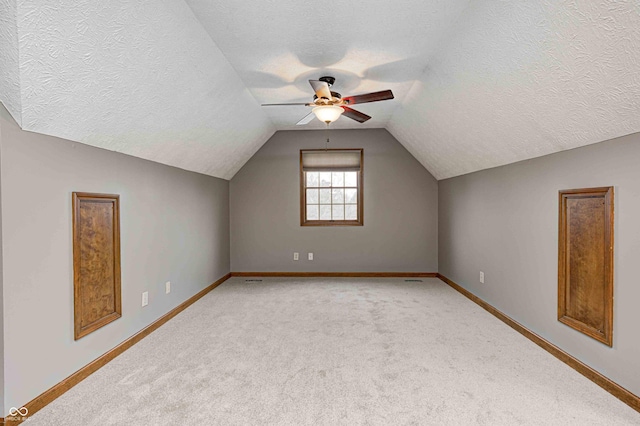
(331, 187)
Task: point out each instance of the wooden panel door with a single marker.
(96, 261)
(585, 262)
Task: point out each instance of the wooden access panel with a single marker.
(96, 261)
(585, 262)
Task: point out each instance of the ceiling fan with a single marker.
(329, 106)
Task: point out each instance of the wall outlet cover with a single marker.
(145, 298)
(167, 287)
(482, 277)
(310, 256)
(296, 256)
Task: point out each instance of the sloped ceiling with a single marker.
(521, 79)
(142, 78)
(277, 46)
(477, 83)
(9, 71)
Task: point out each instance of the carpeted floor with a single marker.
(335, 352)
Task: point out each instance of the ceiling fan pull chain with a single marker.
(326, 146)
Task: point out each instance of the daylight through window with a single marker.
(331, 187)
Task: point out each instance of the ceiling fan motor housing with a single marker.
(329, 80)
(334, 95)
(329, 106)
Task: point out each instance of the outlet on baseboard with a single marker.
(482, 277)
(145, 298)
(296, 256)
(310, 256)
(167, 287)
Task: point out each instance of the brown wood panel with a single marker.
(585, 261)
(624, 395)
(96, 261)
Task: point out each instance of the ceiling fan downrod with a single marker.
(328, 79)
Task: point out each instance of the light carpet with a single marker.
(335, 352)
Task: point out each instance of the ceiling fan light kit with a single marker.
(328, 113)
(329, 106)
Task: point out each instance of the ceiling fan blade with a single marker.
(321, 88)
(355, 115)
(300, 103)
(369, 97)
(307, 118)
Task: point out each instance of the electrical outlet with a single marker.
(145, 298)
(310, 256)
(167, 287)
(296, 256)
(482, 277)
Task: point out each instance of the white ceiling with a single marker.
(477, 83)
(142, 78)
(9, 73)
(278, 46)
(521, 79)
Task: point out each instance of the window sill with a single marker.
(331, 223)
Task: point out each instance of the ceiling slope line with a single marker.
(444, 43)
(270, 131)
(227, 59)
(452, 29)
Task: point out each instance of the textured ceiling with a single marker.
(477, 83)
(521, 79)
(372, 45)
(142, 78)
(9, 72)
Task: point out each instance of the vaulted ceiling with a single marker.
(477, 83)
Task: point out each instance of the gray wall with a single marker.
(174, 227)
(4, 117)
(400, 210)
(504, 222)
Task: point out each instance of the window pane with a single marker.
(312, 196)
(312, 212)
(325, 212)
(312, 179)
(351, 212)
(331, 195)
(325, 178)
(338, 212)
(337, 195)
(351, 195)
(337, 179)
(351, 179)
(325, 196)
